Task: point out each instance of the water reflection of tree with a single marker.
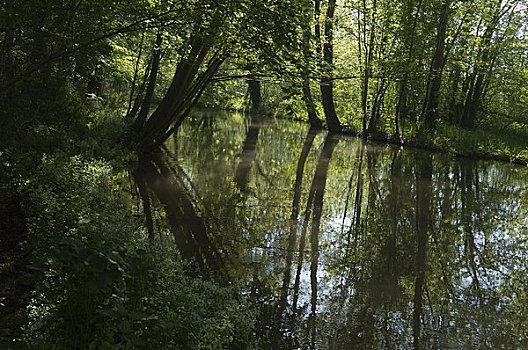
(419, 258)
(248, 155)
(188, 225)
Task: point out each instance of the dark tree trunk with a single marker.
(191, 77)
(483, 67)
(151, 85)
(377, 105)
(432, 98)
(327, 84)
(135, 78)
(402, 109)
(475, 97)
(454, 103)
(313, 119)
(255, 94)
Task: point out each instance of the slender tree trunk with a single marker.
(376, 106)
(151, 85)
(189, 81)
(368, 55)
(314, 120)
(254, 89)
(402, 108)
(474, 100)
(254, 93)
(432, 98)
(454, 103)
(327, 84)
(136, 73)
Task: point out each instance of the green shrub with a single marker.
(103, 285)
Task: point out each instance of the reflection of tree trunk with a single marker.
(314, 203)
(297, 189)
(394, 212)
(248, 156)
(355, 225)
(468, 197)
(307, 146)
(424, 171)
(318, 187)
(145, 199)
(188, 226)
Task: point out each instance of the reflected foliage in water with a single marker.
(346, 245)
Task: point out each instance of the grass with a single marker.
(509, 144)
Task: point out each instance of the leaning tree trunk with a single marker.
(193, 73)
(482, 71)
(151, 85)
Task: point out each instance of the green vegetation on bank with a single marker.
(96, 281)
(501, 144)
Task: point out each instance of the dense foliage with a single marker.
(389, 68)
(99, 283)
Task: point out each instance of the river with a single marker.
(342, 244)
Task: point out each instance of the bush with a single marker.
(103, 286)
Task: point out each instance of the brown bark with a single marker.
(432, 98)
(313, 119)
(327, 84)
(255, 94)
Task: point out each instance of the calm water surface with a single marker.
(345, 245)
